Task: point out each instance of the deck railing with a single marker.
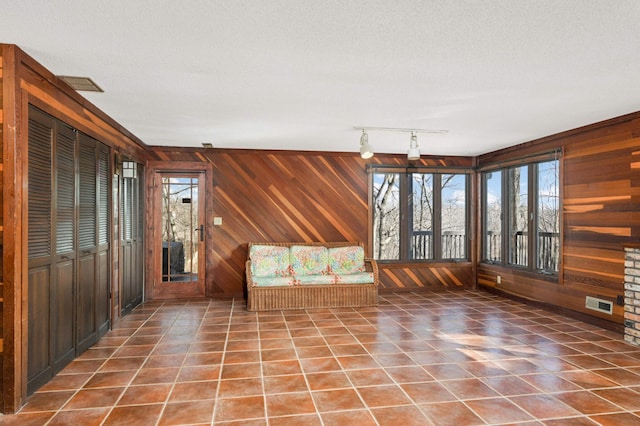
(453, 245)
(548, 249)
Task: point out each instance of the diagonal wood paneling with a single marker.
(430, 277)
(297, 196)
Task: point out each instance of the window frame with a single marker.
(406, 212)
(533, 196)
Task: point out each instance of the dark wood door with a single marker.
(103, 255)
(64, 229)
(40, 252)
(131, 241)
(87, 327)
(51, 248)
(68, 228)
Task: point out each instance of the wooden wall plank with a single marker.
(1, 228)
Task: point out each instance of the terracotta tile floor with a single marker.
(447, 358)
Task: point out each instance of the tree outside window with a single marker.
(518, 221)
(529, 197)
(420, 216)
(422, 206)
(492, 206)
(386, 220)
(453, 216)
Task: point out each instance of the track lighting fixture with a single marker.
(414, 151)
(366, 151)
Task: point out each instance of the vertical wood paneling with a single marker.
(1, 228)
(14, 242)
(296, 196)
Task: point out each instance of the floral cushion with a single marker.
(309, 260)
(315, 279)
(356, 278)
(273, 281)
(346, 260)
(269, 261)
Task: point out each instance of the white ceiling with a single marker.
(300, 74)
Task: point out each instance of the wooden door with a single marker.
(131, 241)
(68, 247)
(179, 207)
(52, 254)
(40, 252)
(103, 255)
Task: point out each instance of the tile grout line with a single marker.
(264, 389)
(224, 353)
(304, 374)
(81, 387)
(173, 385)
(364, 403)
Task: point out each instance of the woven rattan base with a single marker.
(312, 296)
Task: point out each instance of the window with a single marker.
(517, 202)
(548, 217)
(518, 218)
(386, 220)
(492, 207)
(420, 216)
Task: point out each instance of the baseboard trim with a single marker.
(598, 322)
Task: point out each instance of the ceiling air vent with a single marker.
(599, 305)
(81, 84)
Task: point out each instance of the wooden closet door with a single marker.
(64, 229)
(51, 217)
(68, 248)
(40, 249)
(87, 327)
(103, 283)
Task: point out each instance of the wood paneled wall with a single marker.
(299, 196)
(600, 191)
(1, 226)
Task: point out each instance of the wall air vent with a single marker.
(599, 305)
(81, 84)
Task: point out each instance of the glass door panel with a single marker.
(180, 229)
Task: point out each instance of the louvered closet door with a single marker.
(69, 281)
(51, 203)
(103, 254)
(40, 250)
(64, 229)
(87, 243)
(127, 259)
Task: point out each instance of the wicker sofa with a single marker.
(294, 275)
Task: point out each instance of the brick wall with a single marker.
(632, 296)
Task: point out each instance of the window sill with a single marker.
(520, 271)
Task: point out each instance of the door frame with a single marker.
(153, 170)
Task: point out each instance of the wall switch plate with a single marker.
(498, 279)
(217, 221)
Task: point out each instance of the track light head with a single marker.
(366, 151)
(414, 151)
